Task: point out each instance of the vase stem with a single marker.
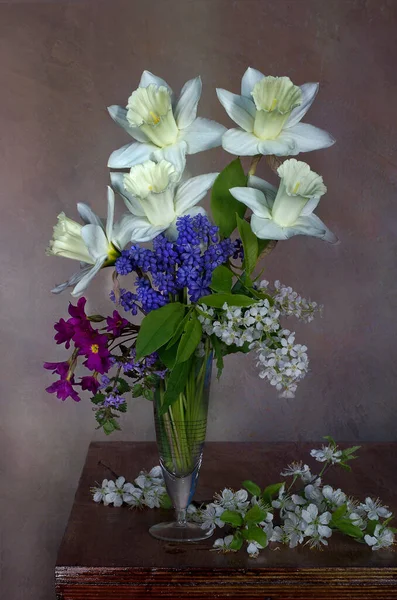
(181, 517)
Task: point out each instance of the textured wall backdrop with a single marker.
(61, 64)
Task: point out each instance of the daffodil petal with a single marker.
(147, 78)
(310, 206)
(308, 138)
(309, 92)
(131, 202)
(110, 215)
(88, 277)
(267, 188)
(240, 143)
(312, 225)
(266, 229)
(119, 116)
(239, 108)
(202, 134)
(130, 155)
(95, 239)
(140, 229)
(75, 278)
(190, 192)
(88, 215)
(254, 199)
(175, 154)
(250, 78)
(283, 145)
(186, 109)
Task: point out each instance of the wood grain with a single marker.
(107, 552)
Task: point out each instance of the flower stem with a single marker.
(254, 164)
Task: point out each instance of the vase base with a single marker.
(174, 532)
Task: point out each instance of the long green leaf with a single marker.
(190, 339)
(222, 279)
(223, 206)
(232, 517)
(218, 300)
(175, 384)
(158, 327)
(250, 244)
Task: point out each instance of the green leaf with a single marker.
(222, 279)
(218, 300)
(137, 390)
(251, 487)
(250, 245)
(237, 541)
(190, 339)
(158, 327)
(168, 355)
(346, 526)
(98, 398)
(223, 206)
(255, 534)
(122, 407)
(255, 515)
(108, 427)
(123, 386)
(217, 346)
(330, 440)
(270, 491)
(371, 527)
(166, 502)
(175, 384)
(232, 517)
(339, 513)
(262, 245)
(96, 318)
(178, 331)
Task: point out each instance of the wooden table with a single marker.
(107, 553)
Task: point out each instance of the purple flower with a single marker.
(116, 323)
(113, 400)
(63, 388)
(94, 347)
(149, 298)
(90, 383)
(65, 332)
(61, 368)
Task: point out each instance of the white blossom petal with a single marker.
(310, 206)
(312, 225)
(308, 137)
(141, 230)
(119, 116)
(250, 78)
(110, 215)
(131, 202)
(266, 229)
(202, 134)
(75, 278)
(86, 279)
(175, 154)
(309, 92)
(147, 78)
(254, 199)
(284, 145)
(239, 108)
(186, 109)
(130, 155)
(190, 192)
(240, 143)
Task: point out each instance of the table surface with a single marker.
(101, 539)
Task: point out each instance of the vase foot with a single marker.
(174, 532)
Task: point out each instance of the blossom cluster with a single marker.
(148, 490)
(289, 302)
(309, 515)
(188, 262)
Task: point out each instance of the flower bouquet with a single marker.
(189, 275)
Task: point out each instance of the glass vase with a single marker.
(180, 434)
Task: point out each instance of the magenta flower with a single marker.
(65, 332)
(61, 368)
(90, 383)
(116, 323)
(63, 388)
(94, 347)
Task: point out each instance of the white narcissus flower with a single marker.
(94, 244)
(155, 196)
(279, 214)
(161, 126)
(268, 113)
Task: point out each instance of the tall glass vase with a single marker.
(180, 433)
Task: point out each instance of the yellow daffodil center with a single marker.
(153, 184)
(298, 184)
(150, 109)
(275, 98)
(95, 348)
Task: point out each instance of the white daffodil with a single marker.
(156, 197)
(268, 113)
(279, 214)
(161, 126)
(94, 244)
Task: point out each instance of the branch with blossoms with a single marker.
(306, 511)
(189, 274)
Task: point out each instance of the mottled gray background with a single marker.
(61, 64)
